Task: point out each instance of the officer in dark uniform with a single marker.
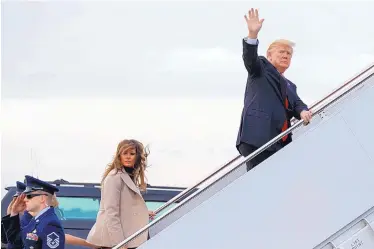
(44, 230)
(24, 219)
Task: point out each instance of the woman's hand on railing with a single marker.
(151, 215)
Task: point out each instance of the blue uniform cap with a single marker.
(34, 184)
(20, 188)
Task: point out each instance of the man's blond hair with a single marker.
(278, 42)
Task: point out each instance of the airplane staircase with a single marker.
(317, 192)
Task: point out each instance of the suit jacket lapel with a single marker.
(127, 180)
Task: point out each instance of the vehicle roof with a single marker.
(86, 189)
(64, 183)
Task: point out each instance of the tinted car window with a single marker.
(78, 208)
(153, 205)
(74, 208)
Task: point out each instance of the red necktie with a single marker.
(285, 124)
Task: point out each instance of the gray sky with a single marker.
(77, 77)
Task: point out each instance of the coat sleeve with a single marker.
(251, 60)
(111, 201)
(12, 228)
(4, 239)
(298, 106)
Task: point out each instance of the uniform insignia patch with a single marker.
(53, 240)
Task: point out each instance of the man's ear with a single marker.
(268, 55)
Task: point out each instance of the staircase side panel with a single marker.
(295, 199)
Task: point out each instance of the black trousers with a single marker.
(246, 149)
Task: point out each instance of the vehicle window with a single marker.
(71, 208)
(78, 208)
(153, 205)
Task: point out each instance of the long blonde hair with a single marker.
(142, 153)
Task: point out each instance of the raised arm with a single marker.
(250, 57)
(250, 43)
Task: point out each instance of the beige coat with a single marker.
(122, 212)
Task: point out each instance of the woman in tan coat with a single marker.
(122, 208)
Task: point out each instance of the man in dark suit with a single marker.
(269, 104)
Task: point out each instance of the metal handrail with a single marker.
(245, 159)
(339, 88)
(189, 190)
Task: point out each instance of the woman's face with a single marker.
(128, 157)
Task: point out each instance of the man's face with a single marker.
(34, 201)
(280, 56)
